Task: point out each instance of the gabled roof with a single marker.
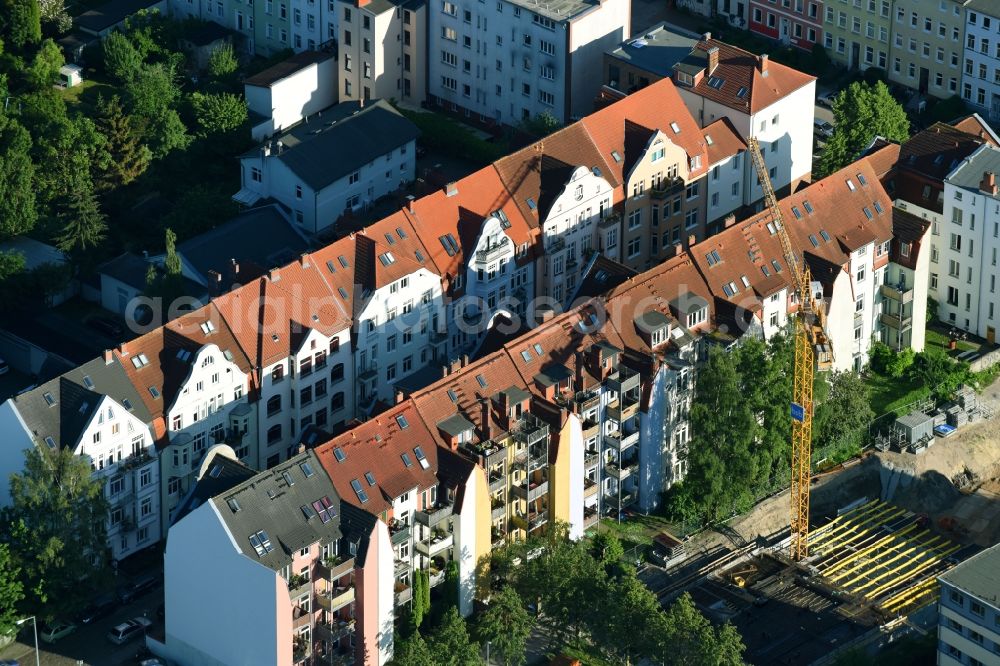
(539, 172)
(657, 106)
(475, 198)
(376, 264)
(355, 133)
(740, 70)
(969, 174)
(602, 275)
(63, 407)
(376, 447)
(937, 150)
(722, 141)
(977, 126)
(283, 512)
(221, 473)
(397, 233)
(882, 156)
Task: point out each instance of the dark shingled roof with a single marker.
(337, 143)
(286, 68)
(221, 474)
(110, 14)
(267, 503)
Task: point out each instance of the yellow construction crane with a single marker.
(802, 391)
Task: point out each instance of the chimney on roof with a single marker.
(108, 357)
(484, 406)
(545, 314)
(273, 275)
(730, 220)
(707, 36)
(304, 259)
(692, 239)
(451, 189)
(362, 3)
(301, 448)
(234, 269)
(713, 59)
(400, 397)
(409, 202)
(763, 64)
(989, 183)
(214, 282)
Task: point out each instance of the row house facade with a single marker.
(857, 36)
(981, 76)
(797, 23)
(927, 46)
(268, 27)
(307, 576)
(95, 412)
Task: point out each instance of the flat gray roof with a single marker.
(969, 173)
(979, 575)
(557, 10)
(656, 50)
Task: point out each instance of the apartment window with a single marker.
(366, 45)
(633, 247)
(255, 175)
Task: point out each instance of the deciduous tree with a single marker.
(689, 639)
(44, 69)
(11, 591)
(222, 61)
(121, 59)
(218, 113)
(506, 625)
(841, 421)
(17, 175)
(53, 13)
(862, 112)
(413, 651)
(451, 645)
(21, 22)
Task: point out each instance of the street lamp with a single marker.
(34, 625)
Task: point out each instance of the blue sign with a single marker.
(798, 412)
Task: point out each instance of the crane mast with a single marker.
(802, 387)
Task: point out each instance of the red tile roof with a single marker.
(978, 127)
(376, 447)
(722, 140)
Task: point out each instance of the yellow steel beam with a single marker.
(915, 562)
(844, 516)
(840, 522)
(911, 595)
(910, 574)
(867, 529)
(863, 552)
(875, 562)
(877, 517)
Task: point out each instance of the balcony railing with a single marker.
(498, 510)
(622, 412)
(531, 493)
(536, 519)
(618, 472)
(336, 598)
(298, 585)
(590, 488)
(333, 633)
(300, 617)
(403, 593)
(368, 371)
(590, 516)
(399, 533)
(590, 459)
(609, 220)
(899, 292)
(433, 515)
(667, 187)
(491, 252)
(586, 399)
(897, 322)
(438, 543)
(498, 480)
(619, 441)
(334, 567)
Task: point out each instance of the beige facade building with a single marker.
(926, 51)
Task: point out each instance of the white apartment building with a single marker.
(382, 48)
(96, 412)
(968, 245)
(284, 94)
(968, 630)
(376, 152)
(981, 72)
(763, 99)
(509, 61)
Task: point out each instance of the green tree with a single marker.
(506, 625)
(121, 59)
(452, 584)
(841, 421)
(11, 263)
(862, 112)
(541, 125)
(56, 527)
(129, 157)
(417, 609)
(413, 651)
(166, 133)
(168, 283)
(688, 638)
(53, 13)
(11, 591)
(607, 549)
(84, 225)
(21, 22)
(937, 371)
(222, 62)
(218, 113)
(451, 645)
(152, 91)
(17, 174)
(44, 68)
(631, 620)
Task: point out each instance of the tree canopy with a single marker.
(17, 173)
(862, 111)
(506, 625)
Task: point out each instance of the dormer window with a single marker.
(659, 336)
(684, 78)
(697, 317)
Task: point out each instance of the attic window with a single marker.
(825, 236)
(390, 239)
(715, 82)
(89, 383)
(339, 454)
(450, 246)
(504, 222)
(538, 349)
(387, 259)
(808, 206)
(49, 400)
(708, 139)
(288, 478)
(452, 395)
(812, 239)
(421, 458)
(763, 269)
(183, 354)
(307, 469)
(343, 261)
(308, 511)
(403, 423)
(526, 355)
(868, 212)
(771, 229)
(862, 180)
(878, 207)
(330, 267)
(850, 185)
(359, 491)
(51, 442)
(400, 233)
(777, 266)
(730, 288)
(343, 292)
(675, 127)
(234, 505)
(261, 543)
(742, 92)
(153, 391)
(228, 354)
(419, 256)
(745, 281)
(531, 203)
(274, 337)
(713, 258)
(406, 459)
(370, 478)
(324, 507)
(616, 156)
(207, 327)
(271, 494)
(215, 471)
(481, 380)
(140, 361)
(128, 404)
(796, 212)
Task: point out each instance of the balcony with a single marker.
(622, 412)
(619, 501)
(899, 292)
(531, 493)
(666, 188)
(897, 322)
(431, 516)
(586, 399)
(403, 593)
(493, 251)
(621, 473)
(590, 488)
(399, 533)
(298, 585)
(590, 516)
(590, 428)
(334, 567)
(537, 519)
(333, 633)
(619, 442)
(335, 598)
(591, 459)
(368, 372)
(623, 381)
(498, 481)
(438, 543)
(497, 537)
(610, 220)
(300, 617)
(555, 245)
(497, 510)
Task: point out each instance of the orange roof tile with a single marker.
(722, 140)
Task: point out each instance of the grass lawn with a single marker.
(888, 393)
(938, 338)
(85, 95)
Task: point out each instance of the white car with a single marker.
(129, 629)
(50, 633)
(826, 99)
(823, 128)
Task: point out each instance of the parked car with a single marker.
(129, 630)
(826, 98)
(98, 608)
(138, 587)
(823, 128)
(4, 368)
(108, 327)
(9, 662)
(50, 633)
